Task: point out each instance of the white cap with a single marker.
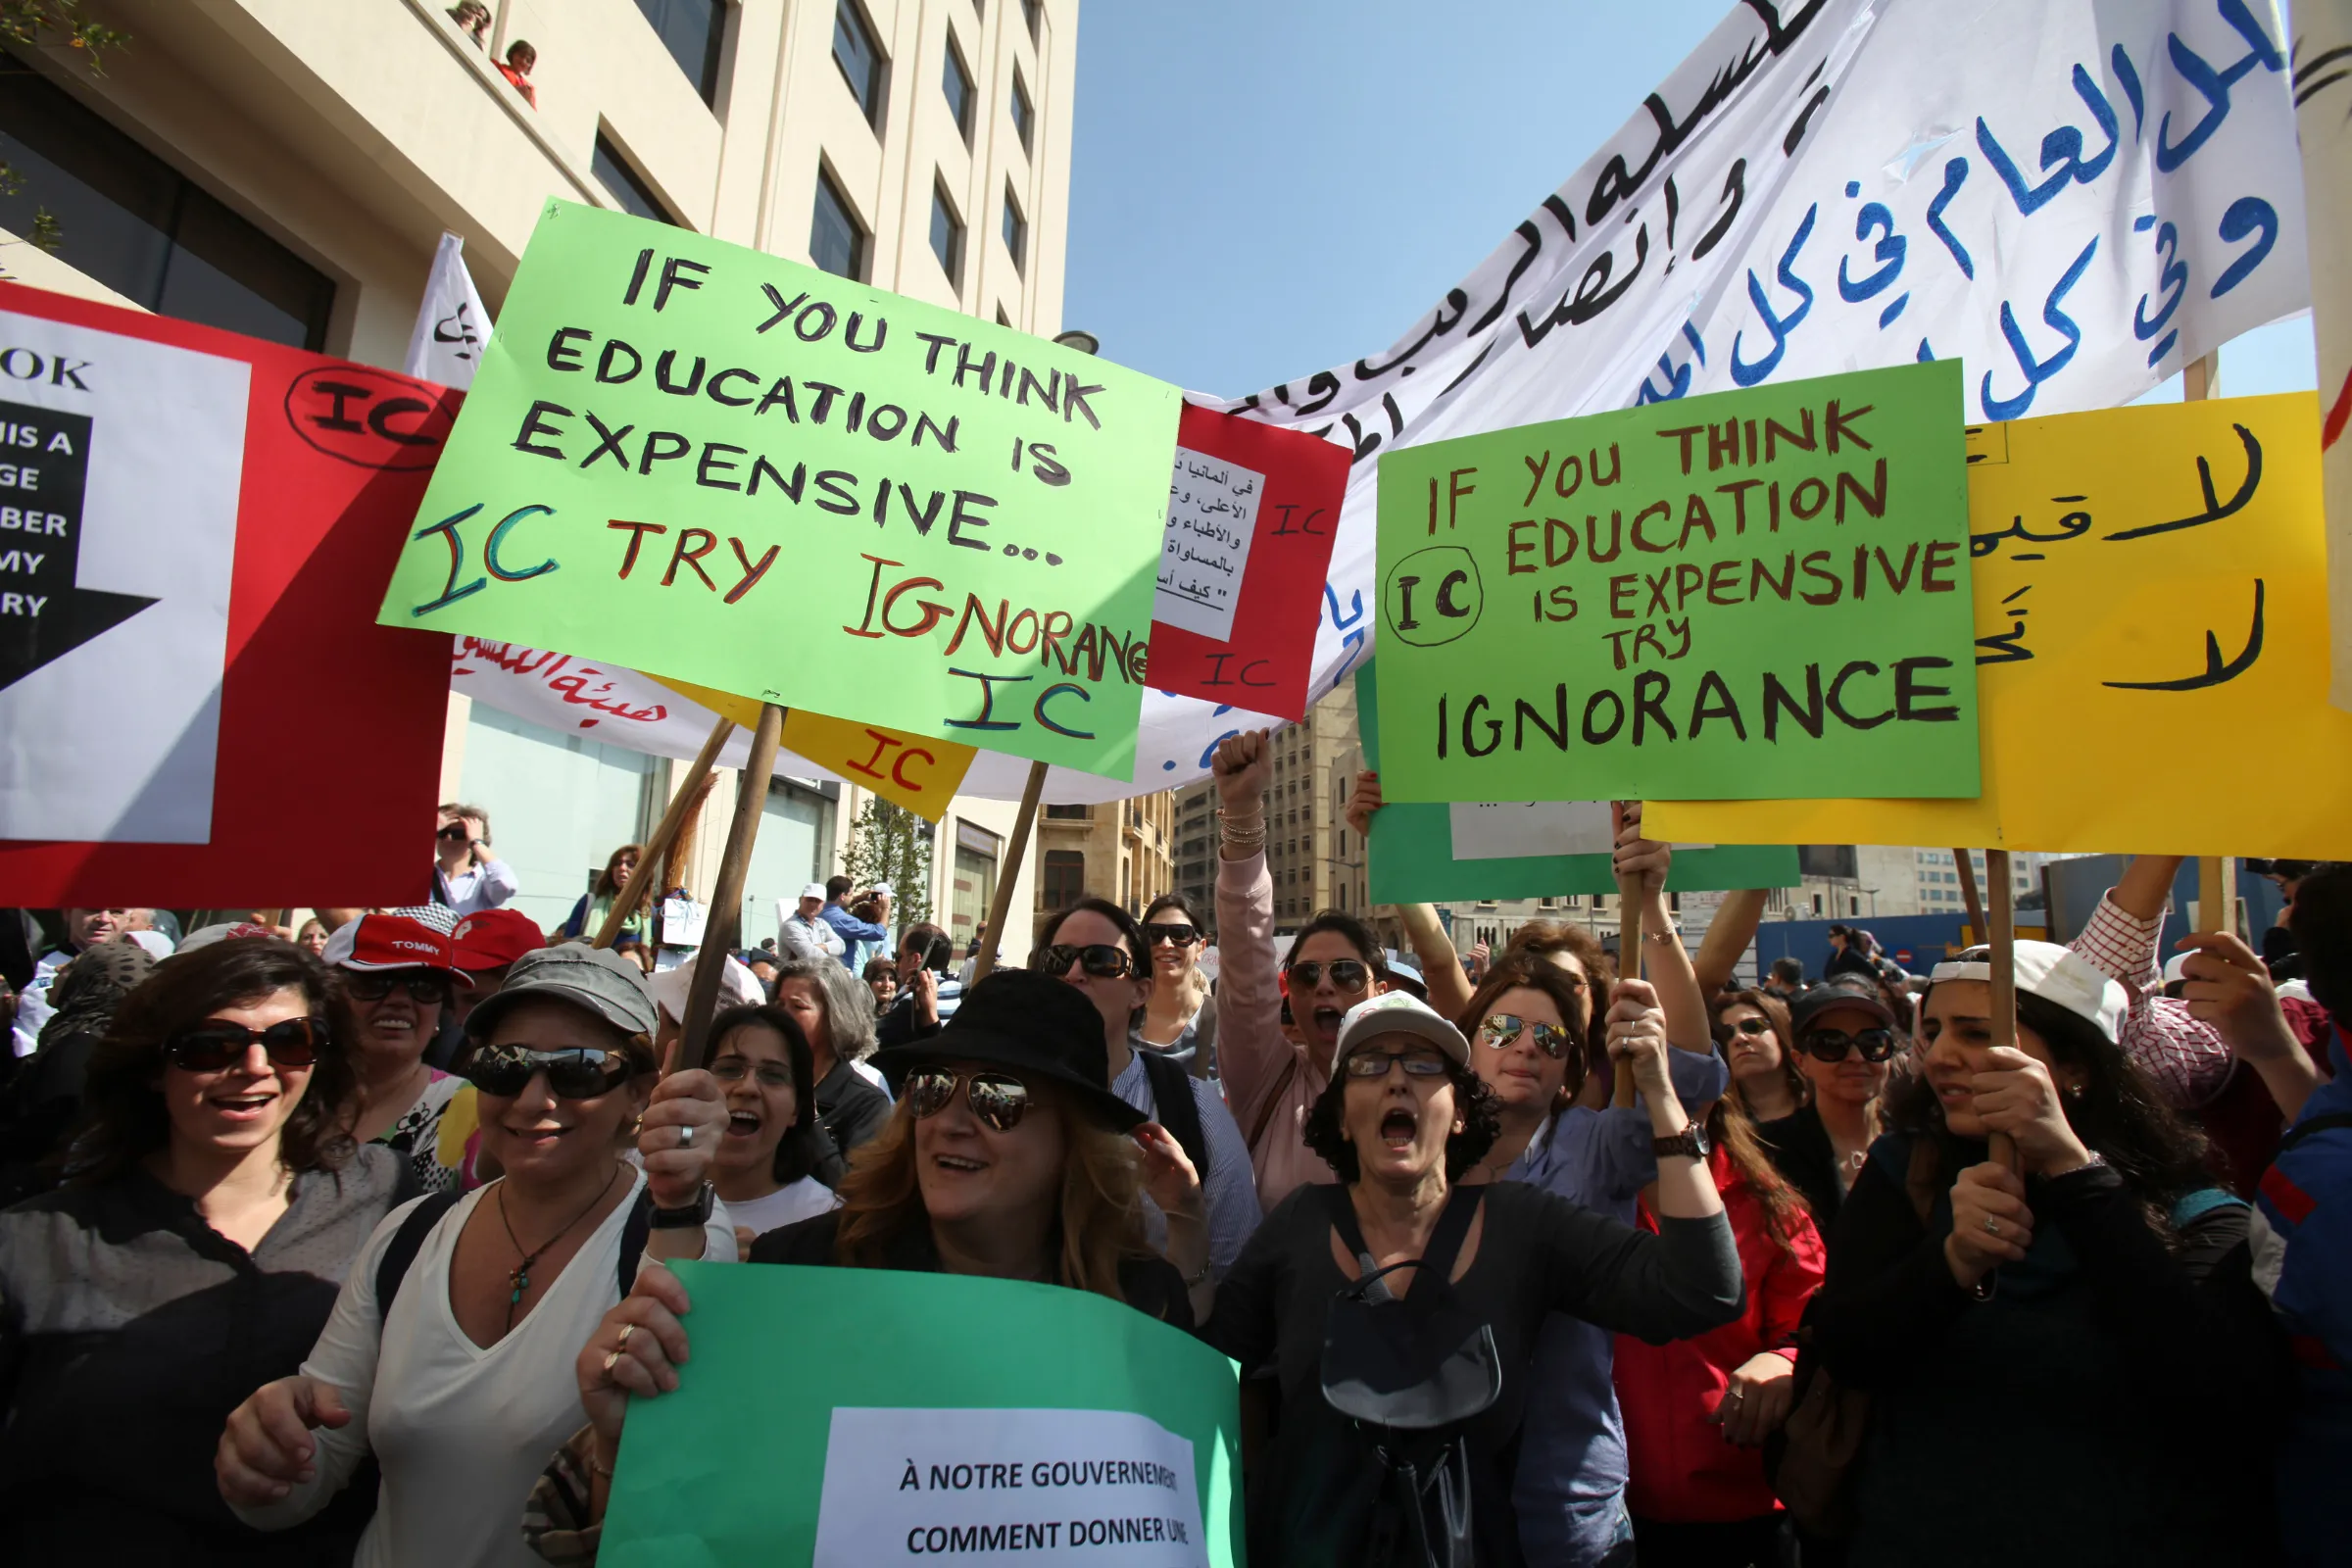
(2053, 973)
(814, 890)
(738, 987)
(1397, 1012)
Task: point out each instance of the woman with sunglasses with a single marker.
(1845, 1041)
(1402, 1124)
(1177, 1018)
(835, 1016)
(1753, 1029)
(2088, 1323)
(445, 1356)
(1098, 948)
(399, 973)
(213, 1202)
(773, 1164)
(1006, 1157)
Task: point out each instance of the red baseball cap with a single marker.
(492, 939)
(390, 941)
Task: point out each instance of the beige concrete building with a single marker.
(1123, 852)
(284, 168)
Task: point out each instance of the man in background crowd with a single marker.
(84, 930)
(860, 938)
(805, 933)
(1786, 980)
(466, 876)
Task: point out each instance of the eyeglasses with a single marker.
(217, 1045)
(1753, 1026)
(1346, 975)
(1831, 1045)
(1099, 958)
(1502, 1029)
(573, 1074)
(996, 1099)
(454, 830)
(1369, 1064)
(377, 985)
(1183, 936)
(734, 1069)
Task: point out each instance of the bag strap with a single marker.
(2314, 1124)
(1444, 1242)
(402, 1249)
(1179, 1111)
(634, 1234)
(1282, 1086)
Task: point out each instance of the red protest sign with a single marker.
(195, 531)
(1251, 515)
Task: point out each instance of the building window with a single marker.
(836, 239)
(625, 184)
(1016, 231)
(860, 57)
(1070, 813)
(1034, 11)
(693, 31)
(130, 220)
(1024, 115)
(1002, 320)
(961, 95)
(947, 237)
(1065, 878)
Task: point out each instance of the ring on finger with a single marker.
(612, 1360)
(685, 1136)
(1992, 1227)
(621, 1343)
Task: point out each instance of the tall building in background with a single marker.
(285, 168)
(1122, 851)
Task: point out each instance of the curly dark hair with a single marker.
(2159, 1155)
(806, 1148)
(1473, 1102)
(124, 1116)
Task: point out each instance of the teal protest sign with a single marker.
(688, 457)
(973, 1419)
(1433, 852)
(1753, 595)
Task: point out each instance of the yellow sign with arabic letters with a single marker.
(916, 772)
(2152, 654)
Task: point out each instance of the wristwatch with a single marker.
(694, 1216)
(1691, 1141)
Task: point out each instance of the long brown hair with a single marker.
(608, 886)
(1729, 1129)
(1519, 971)
(1776, 1013)
(1100, 1222)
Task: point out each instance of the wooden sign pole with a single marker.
(684, 803)
(1977, 931)
(1629, 961)
(2001, 1148)
(726, 925)
(2217, 898)
(1000, 905)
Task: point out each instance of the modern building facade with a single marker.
(285, 168)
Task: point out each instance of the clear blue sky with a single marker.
(1265, 188)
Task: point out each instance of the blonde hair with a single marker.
(1102, 1220)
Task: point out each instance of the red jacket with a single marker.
(1681, 1470)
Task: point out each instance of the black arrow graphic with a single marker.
(44, 463)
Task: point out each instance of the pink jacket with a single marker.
(1270, 1082)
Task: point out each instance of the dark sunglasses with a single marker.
(376, 986)
(996, 1099)
(1375, 1063)
(1099, 958)
(1831, 1045)
(1751, 1026)
(1183, 936)
(1348, 974)
(1502, 1029)
(454, 830)
(575, 1074)
(217, 1045)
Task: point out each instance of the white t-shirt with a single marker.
(460, 1432)
(803, 1199)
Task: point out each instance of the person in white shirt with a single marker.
(456, 1381)
(805, 933)
(466, 876)
(776, 1165)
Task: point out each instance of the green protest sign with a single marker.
(975, 1418)
(1756, 594)
(685, 456)
(1431, 851)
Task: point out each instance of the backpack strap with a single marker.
(402, 1249)
(1265, 1112)
(1444, 1242)
(1179, 1111)
(2314, 1124)
(634, 1234)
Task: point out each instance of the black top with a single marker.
(1537, 1254)
(130, 1328)
(1149, 1285)
(1799, 1148)
(852, 1108)
(2113, 1403)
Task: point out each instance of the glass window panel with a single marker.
(693, 31)
(836, 239)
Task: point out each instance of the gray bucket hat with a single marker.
(597, 980)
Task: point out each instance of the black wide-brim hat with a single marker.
(1036, 1027)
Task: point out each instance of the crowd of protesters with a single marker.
(344, 1242)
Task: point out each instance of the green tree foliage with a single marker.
(46, 23)
(889, 844)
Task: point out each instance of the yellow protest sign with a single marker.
(915, 771)
(2152, 655)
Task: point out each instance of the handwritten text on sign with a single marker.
(1074, 1486)
(1212, 515)
(685, 456)
(1752, 593)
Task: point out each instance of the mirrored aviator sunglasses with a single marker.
(1346, 975)
(1100, 959)
(1503, 1029)
(1831, 1045)
(216, 1046)
(507, 1070)
(997, 1099)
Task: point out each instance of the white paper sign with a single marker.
(1070, 1486)
(120, 467)
(1212, 515)
(682, 922)
(1509, 830)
